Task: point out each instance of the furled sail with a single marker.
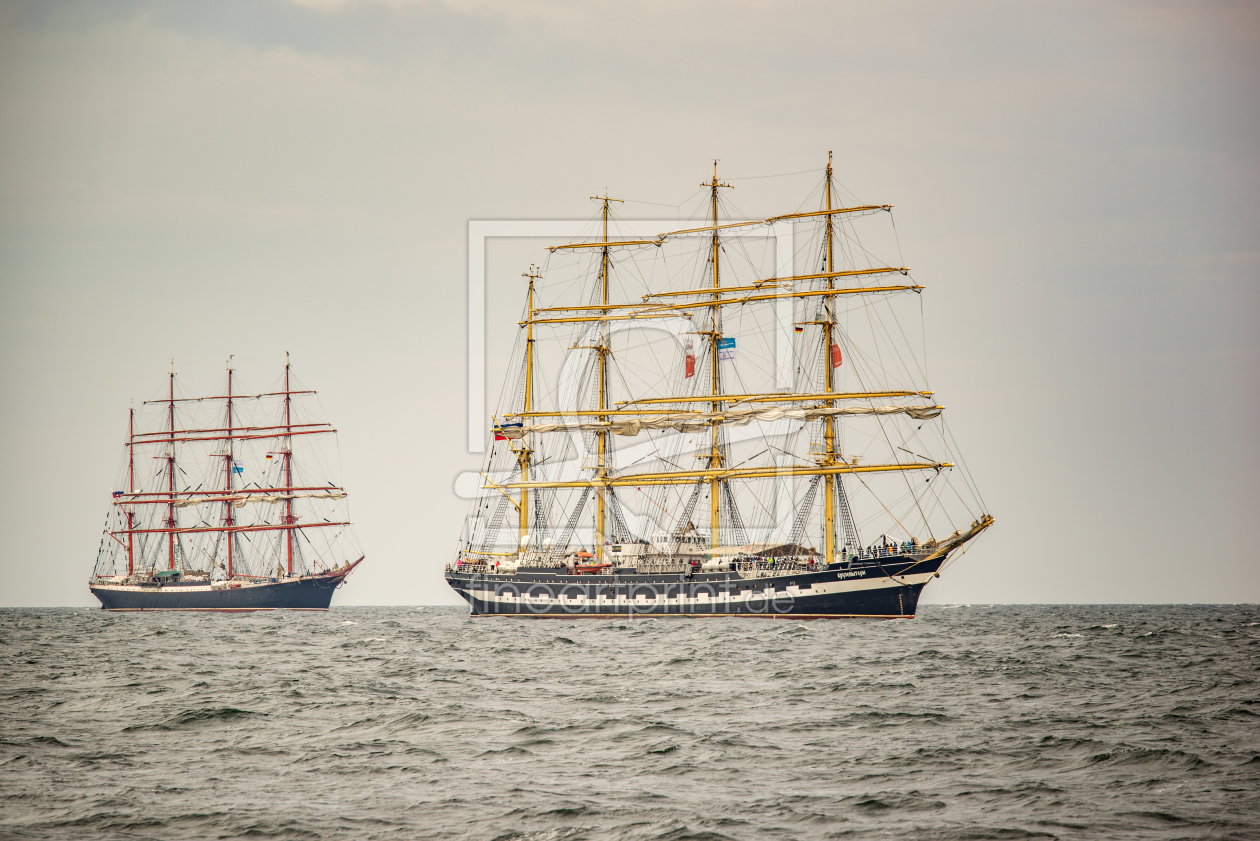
(242, 501)
(700, 421)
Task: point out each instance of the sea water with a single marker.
(970, 722)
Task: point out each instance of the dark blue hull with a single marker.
(887, 590)
(314, 593)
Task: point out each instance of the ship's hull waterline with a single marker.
(887, 590)
(307, 593)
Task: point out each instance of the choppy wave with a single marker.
(972, 722)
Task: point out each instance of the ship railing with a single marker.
(764, 567)
(900, 550)
(775, 566)
(480, 568)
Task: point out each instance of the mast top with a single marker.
(229, 361)
(715, 183)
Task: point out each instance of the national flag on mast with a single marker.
(690, 361)
(505, 431)
(835, 356)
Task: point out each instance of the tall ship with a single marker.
(226, 503)
(728, 419)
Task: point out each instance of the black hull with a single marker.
(887, 590)
(314, 593)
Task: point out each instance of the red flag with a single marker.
(691, 362)
(835, 356)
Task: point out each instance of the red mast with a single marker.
(288, 463)
(170, 470)
(227, 518)
(131, 487)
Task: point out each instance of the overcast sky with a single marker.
(1076, 184)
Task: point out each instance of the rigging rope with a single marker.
(621, 532)
(735, 521)
(684, 522)
(561, 546)
(802, 514)
(489, 539)
(846, 515)
(541, 527)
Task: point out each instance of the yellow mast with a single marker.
(829, 429)
(523, 454)
(715, 385)
(602, 348)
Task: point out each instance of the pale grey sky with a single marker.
(1077, 184)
